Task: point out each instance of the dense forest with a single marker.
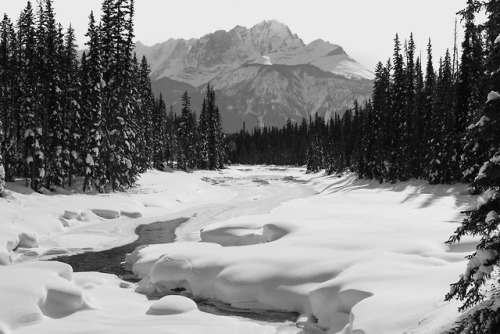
(62, 116)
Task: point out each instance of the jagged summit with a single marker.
(199, 60)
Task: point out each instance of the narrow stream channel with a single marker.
(109, 261)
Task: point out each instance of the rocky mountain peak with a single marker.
(273, 36)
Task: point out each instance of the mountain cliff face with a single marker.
(262, 75)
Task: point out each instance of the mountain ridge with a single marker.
(262, 75)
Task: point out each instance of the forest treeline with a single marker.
(417, 123)
(63, 116)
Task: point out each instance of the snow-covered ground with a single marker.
(349, 256)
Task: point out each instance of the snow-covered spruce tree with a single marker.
(410, 140)
(381, 122)
(50, 41)
(158, 133)
(469, 90)
(441, 165)
(43, 95)
(427, 114)
(215, 136)
(359, 130)
(418, 121)
(58, 129)
(477, 286)
(187, 131)
(28, 92)
(315, 150)
(171, 136)
(368, 141)
(71, 88)
(91, 104)
(8, 112)
(397, 156)
(119, 93)
(203, 128)
(148, 133)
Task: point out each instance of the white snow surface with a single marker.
(493, 96)
(324, 55)
(350, 256)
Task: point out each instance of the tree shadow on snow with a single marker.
(413, 189)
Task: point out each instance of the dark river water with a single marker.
(110, 262)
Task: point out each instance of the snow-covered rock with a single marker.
(170, 305)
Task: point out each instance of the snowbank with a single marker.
(349, 256)
(46, 297)
(45, 225)
(359, 257)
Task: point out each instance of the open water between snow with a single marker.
(110, 262)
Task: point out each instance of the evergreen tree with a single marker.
(187, 135)
(381, 121)
(418, 120)
(398, 157)
(427, 114)
(442, 168)
(215, 136)
(203, 136)
(158, 135)
(171, 137)
(70, 88)
(368, 142)
(315, 151)
(411, 136)
(92, 119)
(49, 47)
(119, 93)
(28, 94)
(469, 90)
(8, 146)
(483, 220)
(147, 134)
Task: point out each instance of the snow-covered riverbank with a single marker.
(351, 256)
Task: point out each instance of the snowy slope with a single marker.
(350, 256)
(270, 94)
(327, 57)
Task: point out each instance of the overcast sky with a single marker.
(364, 28)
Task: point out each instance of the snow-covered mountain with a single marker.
(261, 75)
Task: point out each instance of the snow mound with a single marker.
(45, 289)
(170, 305)
(333, 305)
(10, 239)
(239, 232)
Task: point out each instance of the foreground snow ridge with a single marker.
(349, 256)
